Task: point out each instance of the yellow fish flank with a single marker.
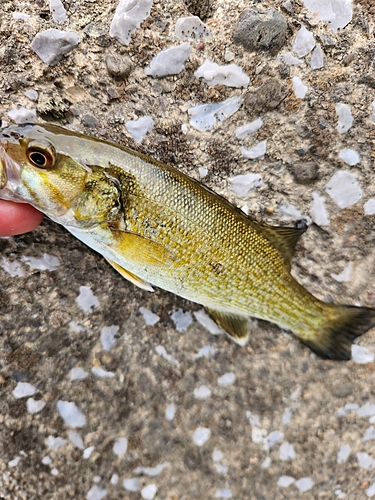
(156, 226)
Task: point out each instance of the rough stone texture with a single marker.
(257, 30)
(305, 172)
(118, 68)
(277, 378)
(267, 97)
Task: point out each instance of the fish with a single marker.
(160, 228)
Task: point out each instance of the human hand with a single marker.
(18, 218)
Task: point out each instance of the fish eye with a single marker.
(41, 154)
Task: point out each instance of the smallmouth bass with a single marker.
(158, 227)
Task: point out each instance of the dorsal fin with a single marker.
(284, 239)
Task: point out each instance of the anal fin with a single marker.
(237, 327)
(130, 276)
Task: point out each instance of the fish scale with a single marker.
(157, 226)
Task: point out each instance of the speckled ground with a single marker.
(279, 385)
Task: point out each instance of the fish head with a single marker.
(34, 170)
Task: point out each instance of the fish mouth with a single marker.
(10, 176)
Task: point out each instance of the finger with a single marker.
(18, 218)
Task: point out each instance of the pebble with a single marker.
(128, 17)
(54, 443)
(257, 30)
(114, 479)
(268, 96)
(228, 378)
(365, 461)
(369, 434)
(87, 453)
(305, 173)
(304, 484)
(51, 45)
(362, 355)
(170, 412)
(182, 320)
(46, 460)
(99, 372)
(89, 121)
(223, 493)
(169, 61)
(290, 59)
(202, 392)
(32, 94)
(152, 471)
(366, 410)
(285, 481)
(119, 68)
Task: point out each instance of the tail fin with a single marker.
(346, 323)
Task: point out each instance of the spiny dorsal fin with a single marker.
(284, 239)
(236, 326)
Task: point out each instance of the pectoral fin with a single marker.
(130, 276)
(236, 326)
(141, 250)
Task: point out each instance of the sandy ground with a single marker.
(279, 386)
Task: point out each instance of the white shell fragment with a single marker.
(101, 373)
(128, 17)
(201, 435)
(343, 453)
(243, 184)
(32, 94)
(169, 61)
(22, 115)
(14, 268)
(230, 75)
(286, 452)
(345, 120)
(372, 116)
(304, 484)
(344, 189)
(362, 355)
(120, 446)
(304, 42)
(290, 59)
(291, 212)
(337, 12)
(35, 406)
(86, 300)
(204, 319)
(285, 481)
(20, 16)
(51, 45)
(58, 11)
(152, 471)
(191, 28)
(349, 156)
(139, 128)
(202, 392)
(149, 492)
(72, 415)
(299, 88)
(345, 275)
(108, 337)
(168, 357)
(76, 438)
(46, 262)
(54, 443)
(205, 116)
(257, 152)
(78, 373)
(150, 318)
(96, 493)
(369, 207)
(132, 484)
(249, 128)
(228, 378)
(317, 57)
(23, 389)
(181, 319)
(318, 211)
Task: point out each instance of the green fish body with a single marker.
(157, 226)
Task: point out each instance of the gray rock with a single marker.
(267, 96)
(260, 30)
(305, 173)
(201, 8)
(51, 45)
(89, 121)
(119, 68)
